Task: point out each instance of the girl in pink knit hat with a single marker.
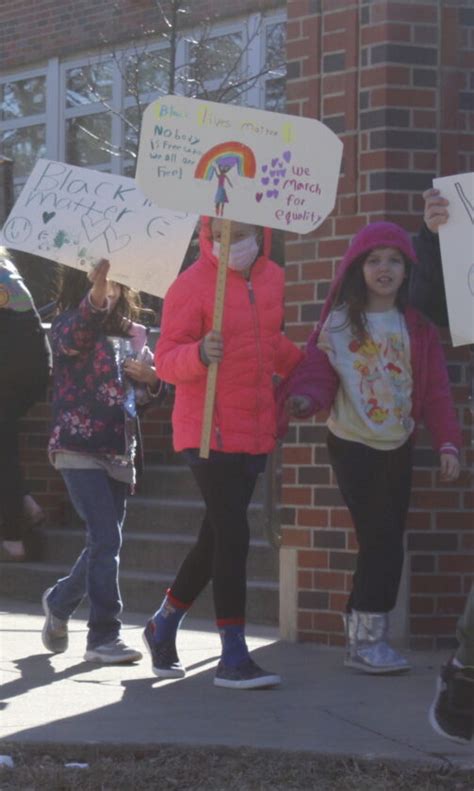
(376, 365)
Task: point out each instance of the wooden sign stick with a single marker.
(217, 326)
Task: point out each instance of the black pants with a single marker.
(11, 482)
(24, 375)
(221, 550)
(376, 487)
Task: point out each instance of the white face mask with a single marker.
(241, 255)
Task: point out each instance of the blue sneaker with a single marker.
(164, 657)
(247, 675)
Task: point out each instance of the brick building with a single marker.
(395, 81)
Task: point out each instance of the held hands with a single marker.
(98, 278)
(297, 406)
(140, 372)
(435, 213)
(211, 349)
(450, 467)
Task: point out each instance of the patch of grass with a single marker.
(180, 768)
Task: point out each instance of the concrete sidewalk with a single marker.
(321, 707)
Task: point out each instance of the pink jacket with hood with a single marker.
(315, 378)
(254, 349)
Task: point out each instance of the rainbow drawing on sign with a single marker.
(218, 161)
(226, 155)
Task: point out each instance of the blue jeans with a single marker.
(100, 501)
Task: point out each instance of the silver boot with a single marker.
(368, 648)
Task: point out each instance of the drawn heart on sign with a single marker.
(287, 156)
(114, 241)
(264, 168)
(48, 215)
(259, 196)
(94, 229)
(274, 162)
(276, 181)
(272, 193)
(265, 181)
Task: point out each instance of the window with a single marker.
(275, 79)
(23, 123)
(87, 111)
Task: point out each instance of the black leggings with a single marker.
(11, 482)
(221, 550)
(376, 487)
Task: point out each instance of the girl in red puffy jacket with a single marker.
(376, 364)
(249, 351)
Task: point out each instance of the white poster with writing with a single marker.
(76, 216)
(456, 239)
(239, 163)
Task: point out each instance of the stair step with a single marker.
(171, 480)
(163, 552)
(141, 591)
(158, 515)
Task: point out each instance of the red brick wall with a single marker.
(34, 30)
(402, 103)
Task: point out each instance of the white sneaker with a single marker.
(113, 653)
(54, 634)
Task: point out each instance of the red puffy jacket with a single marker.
(254, 349)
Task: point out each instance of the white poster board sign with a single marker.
(238, 163)
(456, 239)
(76, 216)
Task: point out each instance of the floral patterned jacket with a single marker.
(92, 406)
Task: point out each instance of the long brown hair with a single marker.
(352, 293)
(73, 287)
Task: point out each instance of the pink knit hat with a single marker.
(379, 234)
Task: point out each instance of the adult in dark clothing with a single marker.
(452, 712)
(25, 363)
(427, 291)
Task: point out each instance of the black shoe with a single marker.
(164, 658)
(452, 711)
(247, 675)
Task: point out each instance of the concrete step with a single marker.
(148, 552)
(173, 514)
(141, 591)
(177, 481)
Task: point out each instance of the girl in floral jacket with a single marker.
(102, 370)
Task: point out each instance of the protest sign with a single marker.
(76, 216)
(239, 163)
(456, 239)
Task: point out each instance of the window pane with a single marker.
(275, 95)
(132, 129)
(147, 72)
(88, 139)
(275, 56)
(87, 84)
(216, 58)
(23, 97)
(275, 47)
(24, 147)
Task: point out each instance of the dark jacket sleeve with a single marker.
(427, 292)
